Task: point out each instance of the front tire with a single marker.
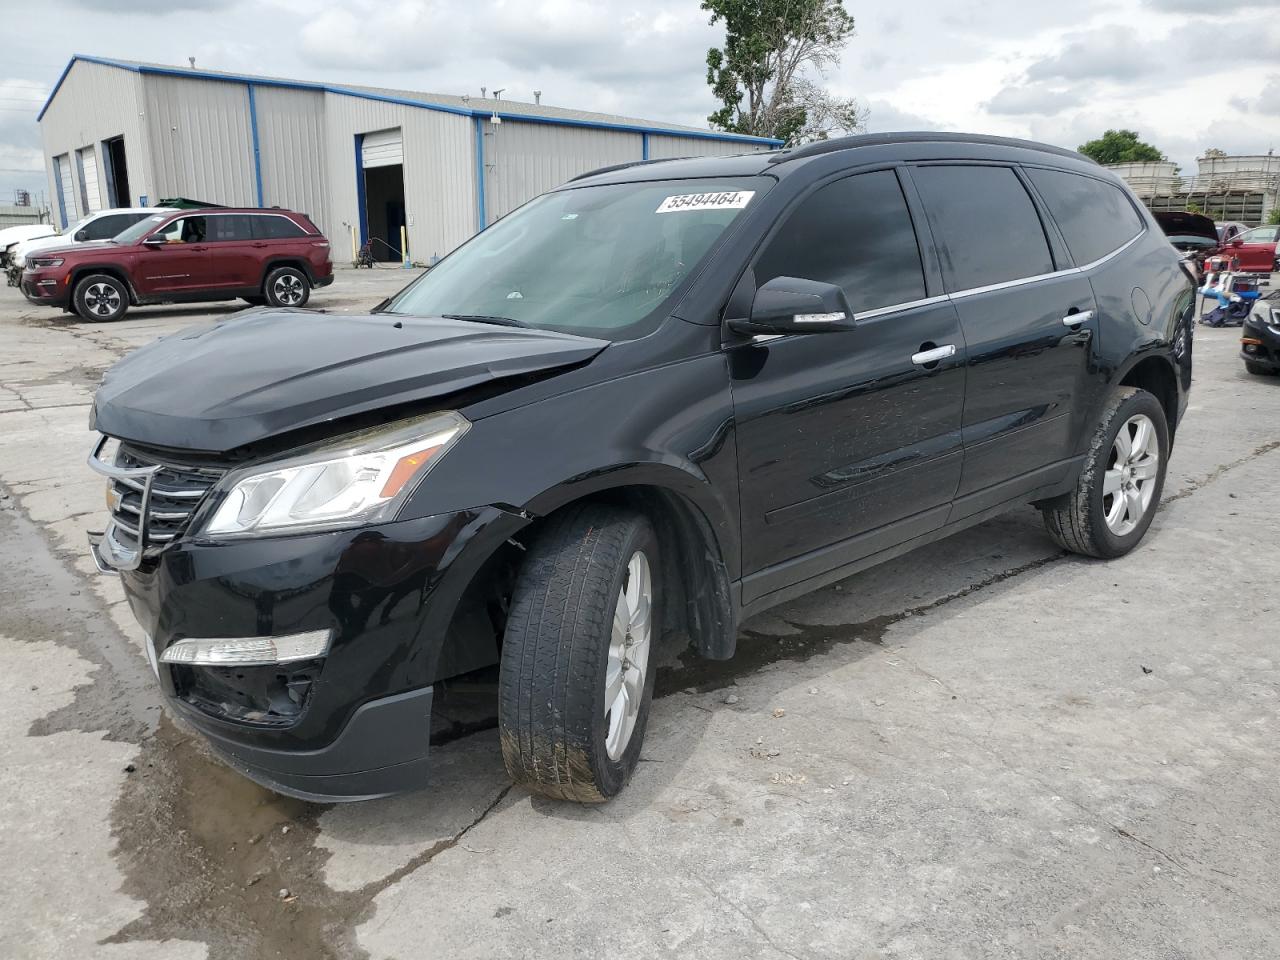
(1119, 487)
(101, 296)
(576, 678)
(287, 287)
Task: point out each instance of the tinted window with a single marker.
(1265, 234)
(855, 233)
(1095, 217)
(104, 228)
(276, 228)
(984, 225)
(230, 226)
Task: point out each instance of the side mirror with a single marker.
(791, 305)
(1237, 242)
(81, 236)
(154, 242)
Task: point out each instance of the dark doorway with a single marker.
(117, 173)
(384, 201)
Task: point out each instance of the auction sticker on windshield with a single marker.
(723, 200)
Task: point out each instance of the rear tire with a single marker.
(102, 297)
(1117, 493)
(576, 678)
(1258, 369)
(287, 287)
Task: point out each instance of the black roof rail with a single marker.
(621, 166)
(914, 136)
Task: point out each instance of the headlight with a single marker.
(42, 262)
(363, 478)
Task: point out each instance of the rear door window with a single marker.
(855, 233)
(1095, 218)
(276, 228)
(985, 225)
(231, 226)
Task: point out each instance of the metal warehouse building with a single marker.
(120, 133)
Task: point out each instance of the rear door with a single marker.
(848, 443)
(178, 265)
(234, 254)
(1029, 322)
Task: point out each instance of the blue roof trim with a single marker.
(404, 101)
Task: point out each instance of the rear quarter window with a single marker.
(984, 223)
(1096, 218)
(275, 227)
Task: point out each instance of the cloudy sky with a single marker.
(1060, 72)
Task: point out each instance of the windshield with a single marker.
(139, 229)
(596, 261)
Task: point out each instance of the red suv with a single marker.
(262, 256)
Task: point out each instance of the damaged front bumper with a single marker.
(354, 723)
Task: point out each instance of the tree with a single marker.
(1120, 146)
(760, 75)
(1215, 153)
(1274, 217)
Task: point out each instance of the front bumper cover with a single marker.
(1259, 340)
(356, 723)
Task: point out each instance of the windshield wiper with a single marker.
(478, 318)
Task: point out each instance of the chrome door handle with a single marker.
(1075, 319)
(933, 356)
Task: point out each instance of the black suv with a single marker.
(663, 397)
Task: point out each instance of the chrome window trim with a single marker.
(898, 307)
(1114, 253)
(1006, 284)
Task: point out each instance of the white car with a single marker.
(10, 237)
(102, 225)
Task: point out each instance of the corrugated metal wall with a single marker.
(439, 172)
(523, 160)
(200, 140)
(96, 103)
(291, 150)
(664, 147)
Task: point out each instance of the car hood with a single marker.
(12, 235)
(1180, 224)
(47, 245)
(266, 372)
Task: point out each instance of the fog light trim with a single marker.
(247, 651)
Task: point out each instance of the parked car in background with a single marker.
(96, 227)
(10, 237)
(1193, 235)
(1260, 336)
(664, 397)
(1229, 230)
(1255, 250)
(262, 256)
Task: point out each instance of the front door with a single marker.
(1256, 251)
(848, 443)
(179, 264)
(1028, 358)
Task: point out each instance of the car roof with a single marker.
(869, 148)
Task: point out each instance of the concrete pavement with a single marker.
(985, 748)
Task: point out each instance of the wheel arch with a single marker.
(1155, 374)
(285, 260)
(111, 270)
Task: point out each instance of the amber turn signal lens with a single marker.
(403, 471)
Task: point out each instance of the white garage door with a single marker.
(62, 170)
(384, 148)
(89, 173)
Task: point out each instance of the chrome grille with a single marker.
(176, 490)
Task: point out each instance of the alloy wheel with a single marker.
(288, 289)
(102, 299)
(628, 665)
(1129, 483)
